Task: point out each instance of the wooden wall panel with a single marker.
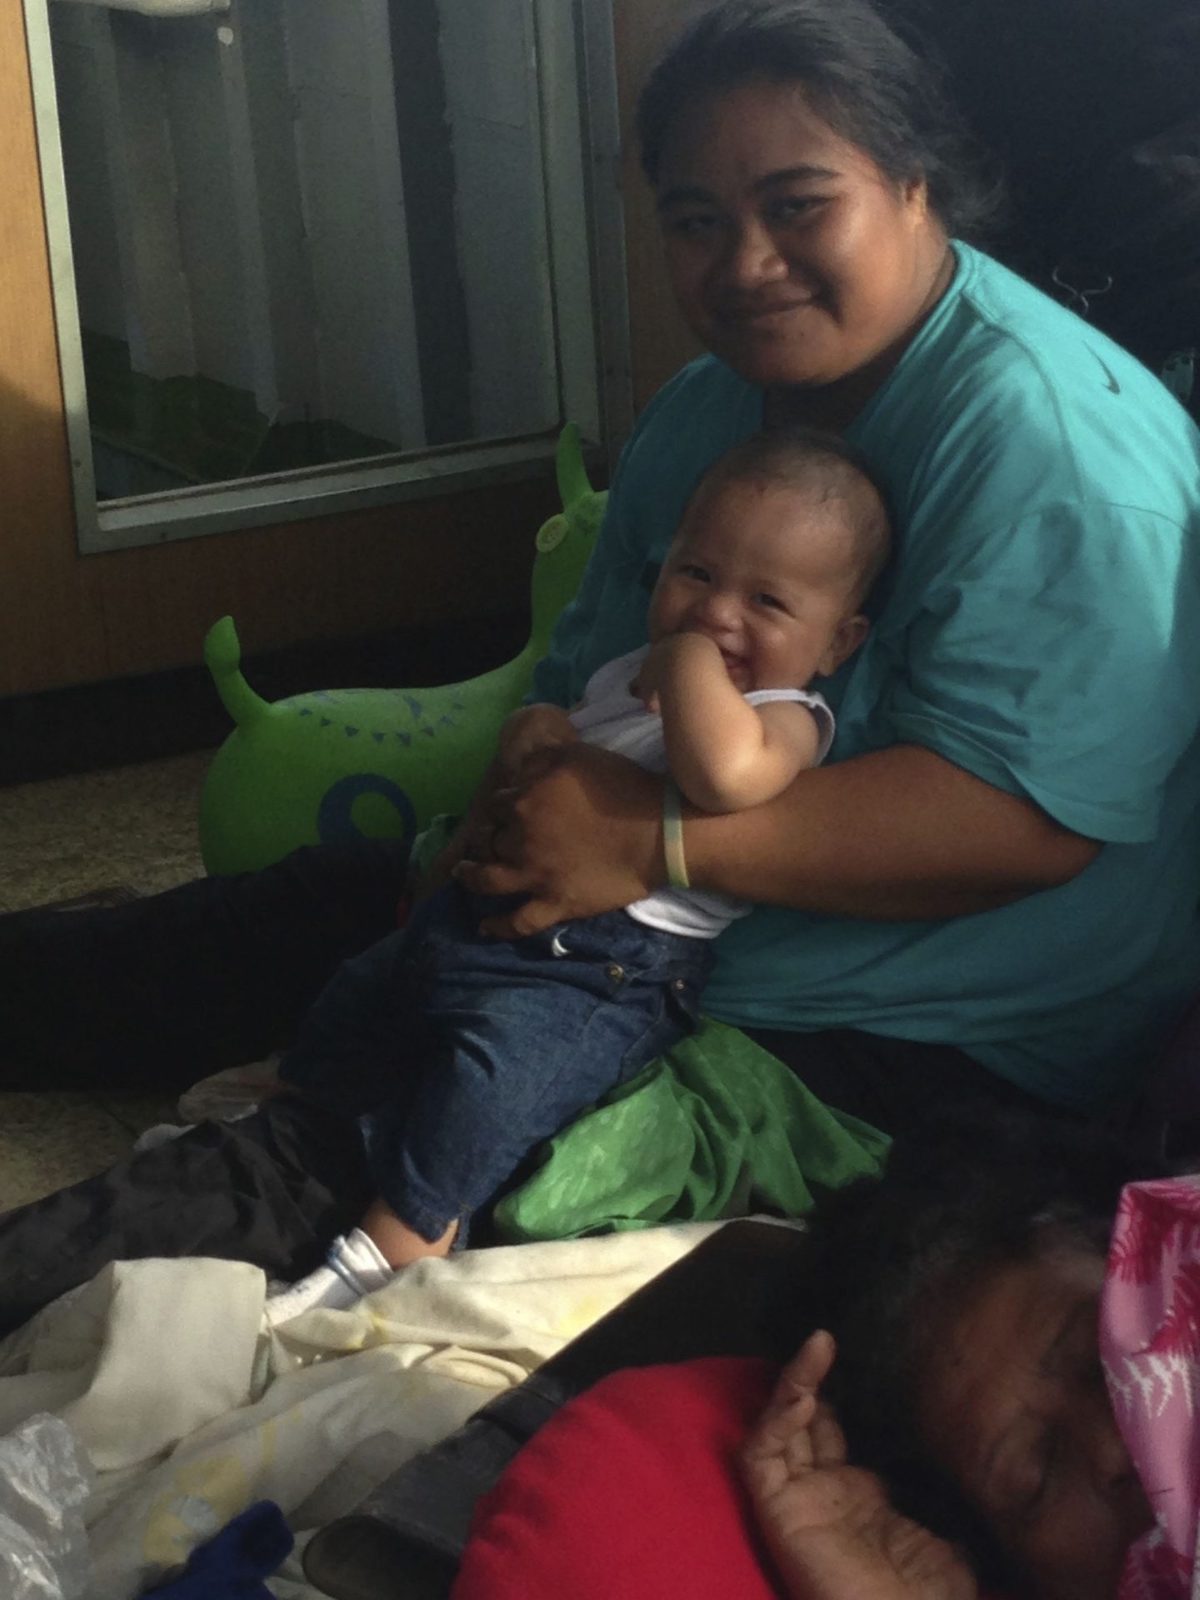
(35, 507)
(66, 618)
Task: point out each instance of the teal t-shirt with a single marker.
(1040, 627)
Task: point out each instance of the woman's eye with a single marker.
(692, 225)
(792, 207)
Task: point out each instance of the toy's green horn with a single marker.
(223, 658)
(572, 475)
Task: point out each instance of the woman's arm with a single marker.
(724, 753)
(896, 835)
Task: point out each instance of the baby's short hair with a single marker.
(827, 468)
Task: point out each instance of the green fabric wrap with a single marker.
(429, 844)
(716, 1128)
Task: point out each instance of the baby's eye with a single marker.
(771, 601)
(689, 569)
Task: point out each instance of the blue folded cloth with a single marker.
(232, 1565)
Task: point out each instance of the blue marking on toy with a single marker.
(335, 814)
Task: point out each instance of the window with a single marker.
(311, 254)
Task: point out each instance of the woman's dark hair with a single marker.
(868, 84)
(965, 1195)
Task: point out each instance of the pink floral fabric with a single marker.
(1150, 1346)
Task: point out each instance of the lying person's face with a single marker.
(1017, 1409)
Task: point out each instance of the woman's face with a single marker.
(1017, 1410)
(792, 256)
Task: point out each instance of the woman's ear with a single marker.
(847, 636)
(914, 192)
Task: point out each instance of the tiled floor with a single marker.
(134, 826)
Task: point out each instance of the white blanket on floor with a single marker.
(190, 1410)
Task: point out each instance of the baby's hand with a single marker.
(661, 662)
(529, 731)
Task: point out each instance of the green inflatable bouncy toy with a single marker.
(377, 763)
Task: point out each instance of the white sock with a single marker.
(160, 1133)
(354, 1267)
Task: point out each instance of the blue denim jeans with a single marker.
(459, 1054)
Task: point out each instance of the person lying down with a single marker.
(995, 1404)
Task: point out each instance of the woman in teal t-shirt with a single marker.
(1003, 854)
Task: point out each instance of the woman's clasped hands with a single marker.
(575, 829)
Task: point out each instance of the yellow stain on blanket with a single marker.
(200, 1499)
(580, 1314)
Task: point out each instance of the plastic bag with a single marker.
(45, 1482)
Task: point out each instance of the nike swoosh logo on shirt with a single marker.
(1109, 381)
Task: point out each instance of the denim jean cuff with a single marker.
(426, 1214)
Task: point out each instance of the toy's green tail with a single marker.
(223, 658)
(569, 469)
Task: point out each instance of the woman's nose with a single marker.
(754, 257)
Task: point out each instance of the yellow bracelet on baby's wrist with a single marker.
(677, 873)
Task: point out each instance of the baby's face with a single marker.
(769, 577)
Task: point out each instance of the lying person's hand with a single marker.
(830, 1527)
(581, 833)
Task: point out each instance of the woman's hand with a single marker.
(529, 731)
(526, 736)
(829, 1526)
(464, 840)
(581, 833)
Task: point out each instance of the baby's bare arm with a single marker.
(724, 754)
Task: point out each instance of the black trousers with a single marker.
(159, 992)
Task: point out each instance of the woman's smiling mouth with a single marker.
(766, 312)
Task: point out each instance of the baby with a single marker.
(460, 1053)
